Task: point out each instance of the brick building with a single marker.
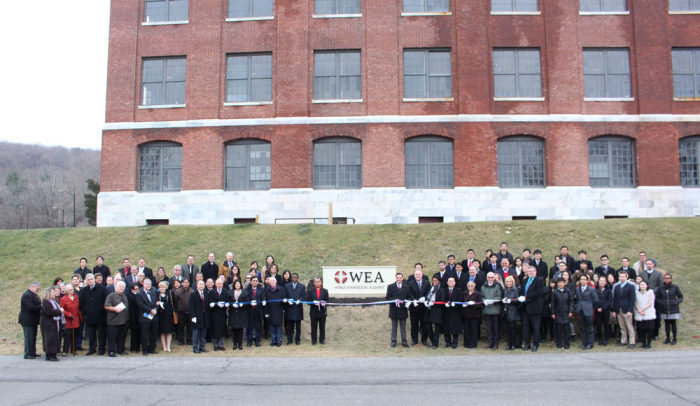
(400, 111)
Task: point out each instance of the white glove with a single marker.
(284, 300)
(422, 299)
(235, 305)
(408, 304)
(194, 319)
(488, 302)
(454, 304)
(464, 305)
(316, 302)
(212, 304)
(228, 304)
(471, 303)
(264, 302)
(220, 304)
(298, 301)
(323, 303)
(415, 303)
(521, 299)
(254, 303)
(162, 306)
(506, 301)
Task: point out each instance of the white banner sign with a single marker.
(358, 281)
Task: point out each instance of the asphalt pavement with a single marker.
(629, 378)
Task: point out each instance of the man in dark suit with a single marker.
(451, 265)
(583, 258)
(540, 265)
(148, 272)
(605, 269)
(527, 257)
(82, 269)
(295, 312)
(131, 277)
(476, 276)
(623, 305)
(216, 302)
(256, 292)
(101, 268)
(274, 310)
(586, 302)
(317, 311)
(189, 270)
(461, 277)
(566, 258)
(399, 293)
(125, 269)
(210, 270)
(532, 291)
(503, 253)
(418, 287)
(148, 317)
(442, 273)
(29, 314)
(467, 262)
(92, 305)
(198, 314)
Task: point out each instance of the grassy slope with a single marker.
(45, 254)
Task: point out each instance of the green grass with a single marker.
(27, 255)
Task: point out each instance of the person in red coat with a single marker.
(71, 305)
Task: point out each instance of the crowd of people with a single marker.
(520, 296)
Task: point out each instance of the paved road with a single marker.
(632, 378)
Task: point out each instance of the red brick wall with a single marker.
(381, 34)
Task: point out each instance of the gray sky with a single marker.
(54, 71)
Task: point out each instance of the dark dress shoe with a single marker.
(53, 359)
(203, 350)
(534, 348)
(111, 354)
(145, 353)
(631, 346)
(123, 353)
(667, 341)
(289, 342)
(101, 353)
(322, 342)
(196, 351)
(297, 342)
(91, 352)
(257, 344)
(153, 352)
(249, 343)
(673, 342)
(28, 357)
(566, 347)
(393, 345)
(313, 343)
(240, 347)
(527, 347)
(405, 345)
(454, 346)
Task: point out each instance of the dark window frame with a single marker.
(606, 75)
(170, 19)
(250, 11)
(161, 168)
(613, 181)
(520, 140)
(689, 157)
(164, 81)
(336, 141)
(249, 77)
(428, 74)
(429, 182)
(247, 143)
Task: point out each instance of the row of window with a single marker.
(429, 163)
(177, 10)
(517, 74)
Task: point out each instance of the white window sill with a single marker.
(535, 99)
(337, 101)
(337, 16)
(515, 13)
(255, 103)
(249, 18)
(145, 23)
(604, 13)
(428, 99)
(425, 13)
(608, 99)
(162, 106)
(685, 12)
(686, 99)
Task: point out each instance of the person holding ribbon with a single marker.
(216, 301)
(492, 293)
(275, 299)
(435, 312)
(399, 293)
(238, 313)
(532, 297)
(255, 311)
(471, 314)
(318, 295)
(452, 322)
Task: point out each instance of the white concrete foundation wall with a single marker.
(396, 205)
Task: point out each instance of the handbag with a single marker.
(174, 312)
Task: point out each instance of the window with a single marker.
(517, 73)
(160, 167)
(689, 152)
(427, 73)
(686, 72)
(426, 6)
(248, 165)
(249, 8)
(337, 7)
(606, 73)
(163, 81)
(337, 75)
(249, 78)
(603, 6)
(514, 5)
(429, 163)
(611, 162)
(684, 5)
(520, 162)
(337, 163)
(158, 11)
